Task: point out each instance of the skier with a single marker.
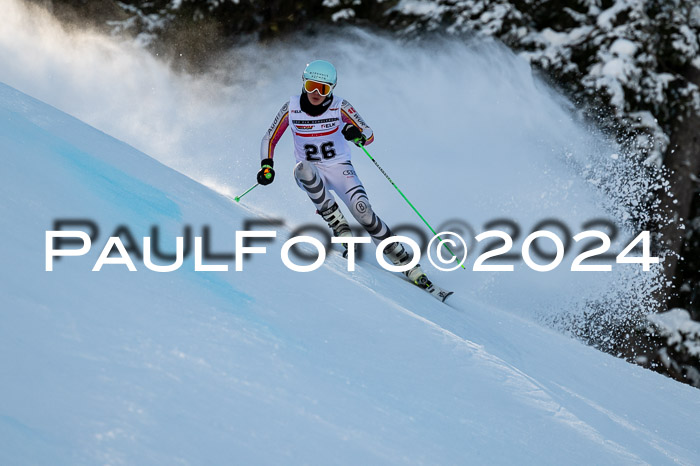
(322, 123)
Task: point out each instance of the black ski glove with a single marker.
(352, 133)
(266, 175)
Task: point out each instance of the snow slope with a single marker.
(491, 141)
(269, 366)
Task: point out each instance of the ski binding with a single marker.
(434, 290)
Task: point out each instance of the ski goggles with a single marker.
(314, 86)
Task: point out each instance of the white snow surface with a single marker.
(269, 366)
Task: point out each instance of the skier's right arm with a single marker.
(267, 148)
(273, 135)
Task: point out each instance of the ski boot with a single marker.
(399, 256)
(337, 223)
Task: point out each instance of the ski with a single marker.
(423, 283)
(439, 293)
(435, 291)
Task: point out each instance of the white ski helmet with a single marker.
(321, 71)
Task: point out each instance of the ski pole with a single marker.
(409, 202)
(238, 198)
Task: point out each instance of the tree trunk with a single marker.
(683, 162)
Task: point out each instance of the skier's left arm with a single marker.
(355, 127)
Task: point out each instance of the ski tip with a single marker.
(438, 293)
(236, 198)
(447, 295)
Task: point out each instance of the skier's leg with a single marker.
(344, 181)
(309, 179)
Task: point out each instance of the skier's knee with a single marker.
(304, 171)
(363, 213)
(307, 178)
(372, 224)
